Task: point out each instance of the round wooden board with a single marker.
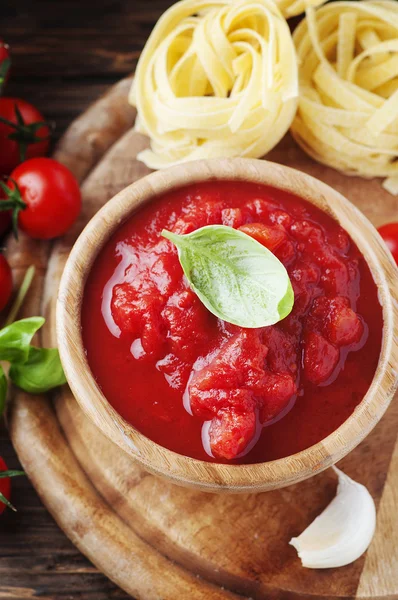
(155, 540)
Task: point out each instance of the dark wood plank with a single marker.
(65, 54)
(78, 37)
(36, 558)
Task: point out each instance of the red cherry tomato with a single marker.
(5, 485)
(389, 233)
(51, 194)
(32, 140)
(5, 63)
(4, 51)
(5, 282)
(5, 217)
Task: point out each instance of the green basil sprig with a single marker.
(35, 370)
(41, 372)
(236, 277)
(15, 339)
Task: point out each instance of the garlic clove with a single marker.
(342, 532)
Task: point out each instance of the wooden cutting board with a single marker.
(155, 540)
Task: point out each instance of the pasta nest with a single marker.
(348, 74)
(216, 78)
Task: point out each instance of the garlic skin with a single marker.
(342, 532)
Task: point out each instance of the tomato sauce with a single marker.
(211, 390)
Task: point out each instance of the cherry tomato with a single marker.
(389, 233)
(26, 136)
(5, 485)
(5, 217)
(5, 63)
(5, 282)
(51, 195)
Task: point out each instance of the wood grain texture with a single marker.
(379, 574)
(70, 497)
(239, 542)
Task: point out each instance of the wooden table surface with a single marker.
(65, 54)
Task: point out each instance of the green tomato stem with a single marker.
(23, 290)
(11, 473)
(4, 500)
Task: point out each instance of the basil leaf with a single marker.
(40, 373)
(15, 339)
(3, 391)
(236, 277)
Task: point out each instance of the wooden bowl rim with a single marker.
(182, 469)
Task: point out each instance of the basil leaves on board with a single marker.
(35, 370)
(15, 339)
(41, 372)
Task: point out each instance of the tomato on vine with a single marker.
(24, 133)
(5, 282)
(5, 485)
(44, 198)
(5, 63)
(5, 217)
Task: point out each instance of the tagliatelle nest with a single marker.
(216, 78)
(348, 72)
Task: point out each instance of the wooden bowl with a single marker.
(188, 471)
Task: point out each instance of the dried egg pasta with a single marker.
(216, 78)
(348, 72)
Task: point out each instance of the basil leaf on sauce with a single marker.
(40, 373)
(236, 277)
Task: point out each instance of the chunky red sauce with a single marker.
(254, 394)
